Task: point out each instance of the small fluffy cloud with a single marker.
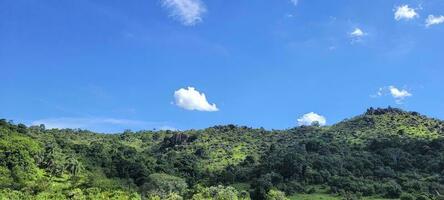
(191, 99)
(405, 12)
(357, 33)
(310, 118)
(188, 12)
(434, 20)
(398, 94)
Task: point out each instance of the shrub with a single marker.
(392, 189)
(276, 195)
(406, 196)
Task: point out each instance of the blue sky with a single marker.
(143, 64)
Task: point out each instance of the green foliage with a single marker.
(8, 194)
(276, 195)
(17, 164)
(163, 185)
(391, 189)
(384, 153)
(220, 193)
(406, 196)
(314, 197)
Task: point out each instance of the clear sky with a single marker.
(110, 65)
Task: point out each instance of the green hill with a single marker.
(389, 122)
(383, 153)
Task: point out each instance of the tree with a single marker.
(219, 193)
(73, 166)
(163, 184)
(406, 196)
(392, 189)
(276, 195)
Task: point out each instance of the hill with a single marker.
(383, 153)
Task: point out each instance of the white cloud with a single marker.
(380, 92)
(405, 12)
(434, 20)
(168, 128)
(310, 118)
(357, 33)
(294, 2)
(191, 99)
(188, 12)
(398, 94)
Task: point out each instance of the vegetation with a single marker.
(384, 153)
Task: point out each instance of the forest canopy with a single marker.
(383, 153)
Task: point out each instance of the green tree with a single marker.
(163, 184)
(73, 166)
(219, 193)
(276, 195)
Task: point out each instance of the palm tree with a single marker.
(73, 166)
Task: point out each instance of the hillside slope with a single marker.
(389, 122)
(384, 153)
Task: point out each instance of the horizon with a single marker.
(190, 64)
(215, 125)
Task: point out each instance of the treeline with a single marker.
(384, 153)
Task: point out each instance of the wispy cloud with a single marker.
(434, 20)
(294, 2)
(191, 99)
(98, 124)
(310, 118)
(404, 12)
(168, 128)
(188, 12)
(398, 94)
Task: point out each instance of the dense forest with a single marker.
(382, 154)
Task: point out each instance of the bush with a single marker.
(422, 197)
(392, 189)
(406, 196)
(8, 194)
(163, 184)
(276, 195)
(219, 192)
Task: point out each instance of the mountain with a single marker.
(383, 153)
